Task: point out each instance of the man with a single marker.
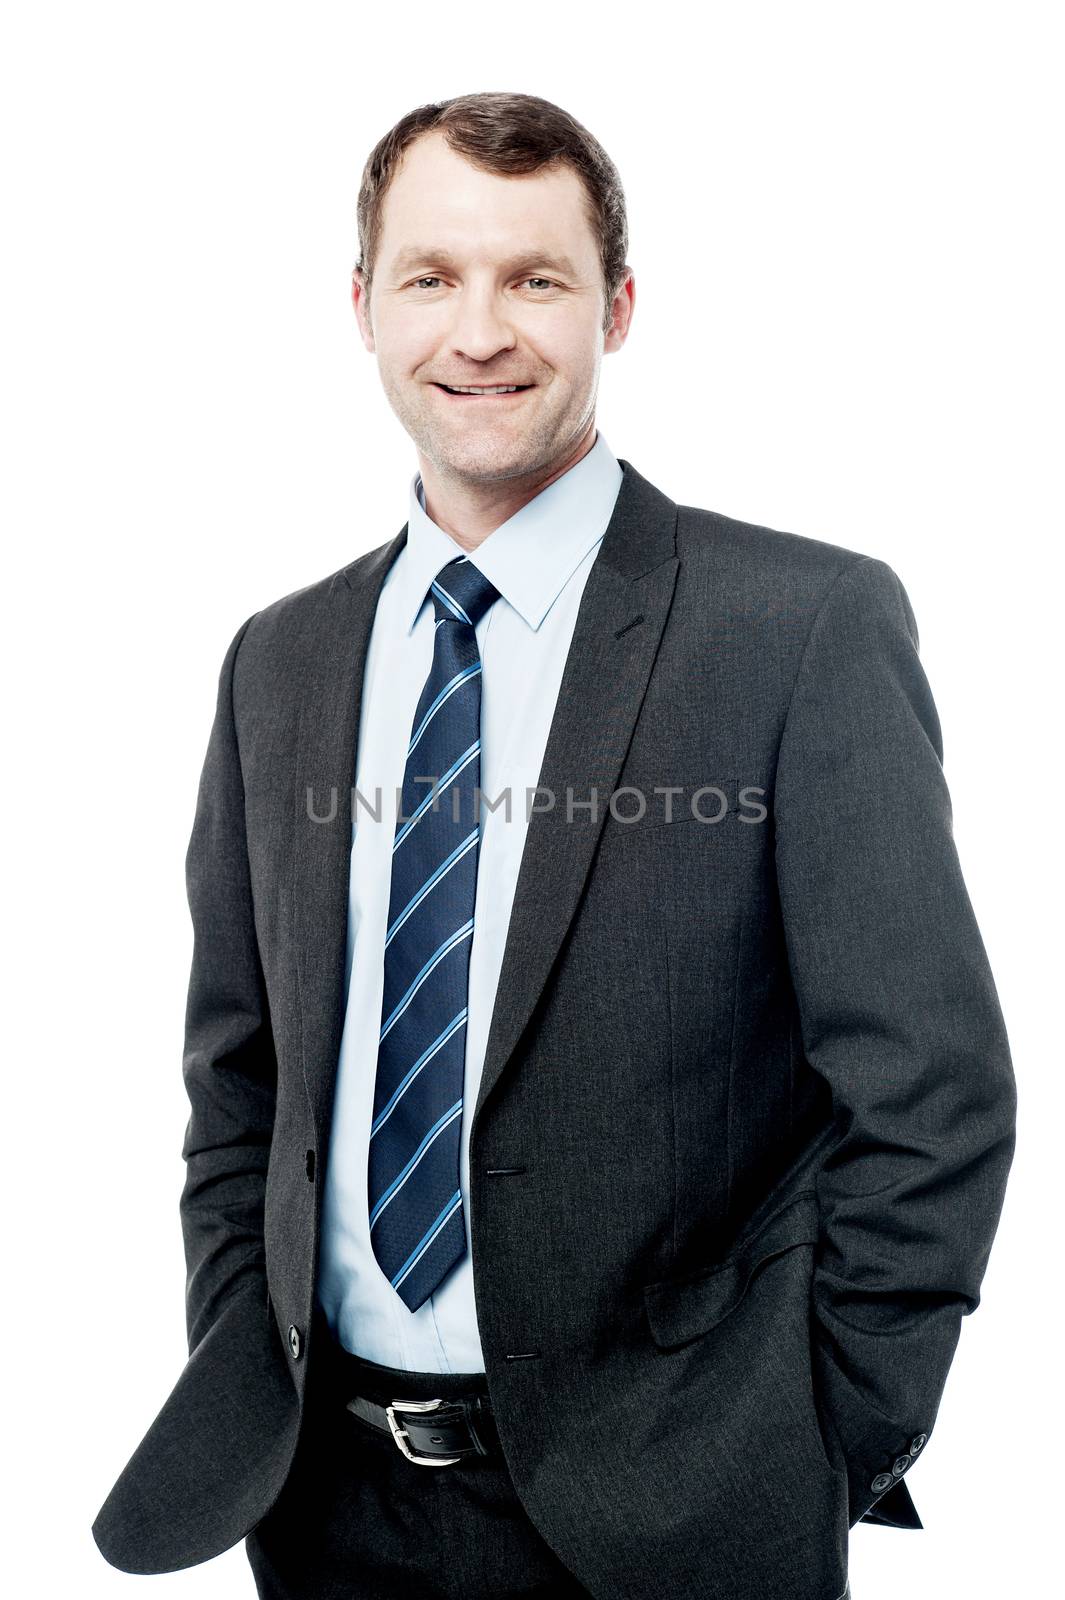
(594, 1152)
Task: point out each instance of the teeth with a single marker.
(510, 389)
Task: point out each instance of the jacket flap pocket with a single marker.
(679, 1309)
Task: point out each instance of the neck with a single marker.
(469, 512)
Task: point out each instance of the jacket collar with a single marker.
(530, 557)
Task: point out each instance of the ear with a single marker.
(360, 301)
(621, 311)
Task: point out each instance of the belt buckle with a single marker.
(399, 1433)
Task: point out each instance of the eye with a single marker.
(431, 278)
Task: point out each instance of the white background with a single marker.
(844, 229)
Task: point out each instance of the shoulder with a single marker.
(761, 553)
(300, 606)
(294, 623)
(786, 575)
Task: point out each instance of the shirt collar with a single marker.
(528, 558)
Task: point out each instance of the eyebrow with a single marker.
(418, 255)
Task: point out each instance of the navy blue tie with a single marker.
(417, 1226)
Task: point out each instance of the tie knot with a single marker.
(462, 592)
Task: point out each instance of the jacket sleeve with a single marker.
(229, 1065)
(899, 1015)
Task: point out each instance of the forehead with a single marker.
(439, 202)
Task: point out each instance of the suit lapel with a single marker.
(330, 707)
(619, 628)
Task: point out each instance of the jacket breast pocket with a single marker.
(679, 1309)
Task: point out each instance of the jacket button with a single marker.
(294, 1342)
(899, 1465)
(882, 1481)
(917, 1442)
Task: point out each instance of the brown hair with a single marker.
(506, 134)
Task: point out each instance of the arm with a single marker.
(229, 1066)
(900, 1016)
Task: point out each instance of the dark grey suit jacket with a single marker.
(747, 1109)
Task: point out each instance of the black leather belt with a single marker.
(433, 1433)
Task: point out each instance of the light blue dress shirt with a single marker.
(539, 560)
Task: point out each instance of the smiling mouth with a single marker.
(509, 393)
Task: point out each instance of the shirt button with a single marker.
(882, 1481)
(917, 1442)
(294, 1342)
(899, 1465)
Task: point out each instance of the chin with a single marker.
(488, 457)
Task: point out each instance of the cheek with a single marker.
(574, 353)
(407, 347)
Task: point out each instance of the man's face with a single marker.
(484, 280)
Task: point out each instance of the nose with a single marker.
(480, 328)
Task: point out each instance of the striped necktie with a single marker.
(417, 1226)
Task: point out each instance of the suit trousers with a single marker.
(357, 1521)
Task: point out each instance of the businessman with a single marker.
(601, 1108)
